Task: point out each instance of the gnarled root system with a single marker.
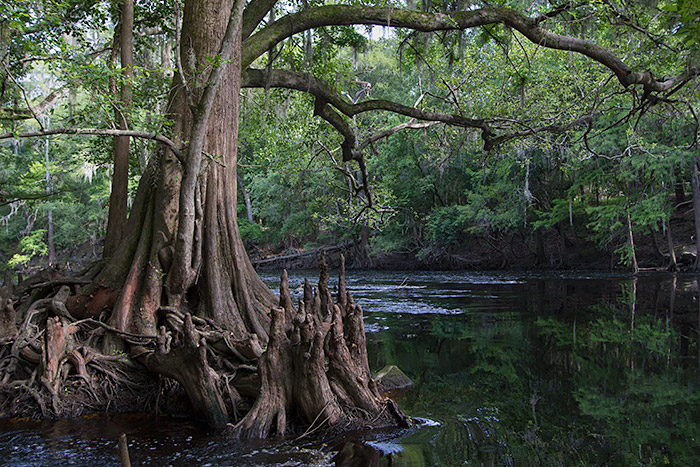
(313, 375)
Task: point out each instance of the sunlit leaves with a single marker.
(31, 245)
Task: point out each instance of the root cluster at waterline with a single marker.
(313, 374)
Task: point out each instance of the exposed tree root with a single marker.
(274, 399)
(313, 375)
(328, 381)
(8, 316)
(186, 362)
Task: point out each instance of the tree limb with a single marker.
(410, 125)
(323, 110)
(336, 15)
(325, 95)
(255, 78)
(254, 13)
(98, 132)
(50, 100)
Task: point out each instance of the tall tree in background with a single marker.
(123, 41)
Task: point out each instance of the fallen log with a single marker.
(285, 260)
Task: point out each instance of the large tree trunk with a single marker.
(182, 247)
(186, 255)
(180, 294)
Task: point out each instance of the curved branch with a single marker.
(326, 112)
(326, 96)
(98, 132)
(255, 78)
(337, 15)
(254, 12)
(410, 125)
(531, 131)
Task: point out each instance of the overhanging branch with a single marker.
(326, 112)
(97, 132)
(337, 15)
(327, 96)
(255, 78)
(254, 12)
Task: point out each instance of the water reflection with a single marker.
(510, 369)
(591, 371)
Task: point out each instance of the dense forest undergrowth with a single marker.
(514, 251)
(565, 249)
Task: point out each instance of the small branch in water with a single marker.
(313, 428)
(124, 451)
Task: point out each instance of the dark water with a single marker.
(510, 369)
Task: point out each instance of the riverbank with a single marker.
(565, 248)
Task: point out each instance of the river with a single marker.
(509, 369)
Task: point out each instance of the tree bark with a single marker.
(187, 363)
(316, 366)
(8, 315)
(120, 179)
(246, 198)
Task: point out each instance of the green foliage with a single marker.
(62, 48)
(447, 225)
(77, 198)
(251, 233)
(431, 189)
(30, 246)
(688, 12)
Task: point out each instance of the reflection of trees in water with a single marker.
(592, 371)
(629, 371)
